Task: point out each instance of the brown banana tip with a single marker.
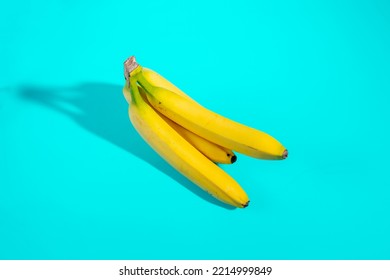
(233, 159)
(285, 154)
(245, 205)
(130, 64)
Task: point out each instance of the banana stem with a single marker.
(134, 92)
(144, 84)
(130, 65)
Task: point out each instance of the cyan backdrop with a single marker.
(77, 182)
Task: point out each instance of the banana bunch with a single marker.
(191, 138)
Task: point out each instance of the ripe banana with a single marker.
(175, 149)
(214, 152)
(211, 150)
(210, 125)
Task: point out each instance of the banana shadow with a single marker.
(101, 109)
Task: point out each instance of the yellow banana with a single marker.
(210, 125)
(177, 151)
(211, 150)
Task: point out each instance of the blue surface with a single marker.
(77, 182)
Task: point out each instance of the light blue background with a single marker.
(77, 182)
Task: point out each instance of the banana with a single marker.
(211, 150)
(210, 125)
(175, 149)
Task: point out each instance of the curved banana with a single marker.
(210, 125)
(211, 150)
(214, 152)
(171, 146)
